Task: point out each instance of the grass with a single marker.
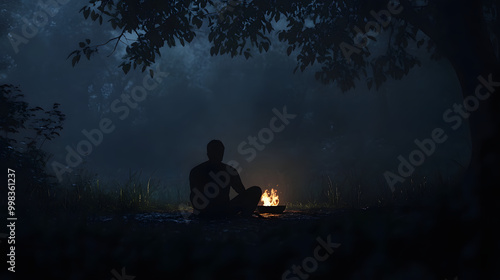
(87, 194)
(354, 191)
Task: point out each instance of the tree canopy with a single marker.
(351, 40)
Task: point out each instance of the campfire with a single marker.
(271, 201)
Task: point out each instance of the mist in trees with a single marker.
(193, 97)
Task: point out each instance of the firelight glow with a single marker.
(270, 199)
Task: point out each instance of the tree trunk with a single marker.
(460, 35)
(478, 70)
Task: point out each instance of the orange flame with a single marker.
(270, 199)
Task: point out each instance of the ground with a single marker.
(373, 243)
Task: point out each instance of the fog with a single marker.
(201, 97)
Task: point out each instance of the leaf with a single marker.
(82, 44)
(269, 27)
(73, 52)
(197, 22)
(247, 55)
(88, 52)
(86, 13)
(281, 36)
(94, 15)
(126, 68)
(88, 41)
(265, 45)
(75, 60)
(151, 73)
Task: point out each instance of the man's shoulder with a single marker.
(199, 167)
(230, 170)
(210, 166)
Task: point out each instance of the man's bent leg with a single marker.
(247, 201)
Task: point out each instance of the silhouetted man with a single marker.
(210, 184)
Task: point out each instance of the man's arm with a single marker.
(236, 180)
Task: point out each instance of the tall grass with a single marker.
(86, 193)
(355, 189)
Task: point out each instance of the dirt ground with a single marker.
(314, 244)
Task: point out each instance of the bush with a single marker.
(23, 131)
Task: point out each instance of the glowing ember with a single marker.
(270, 199)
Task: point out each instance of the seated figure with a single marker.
(210, 184)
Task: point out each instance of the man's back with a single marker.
(210, 183)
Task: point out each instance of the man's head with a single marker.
(215, 150)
